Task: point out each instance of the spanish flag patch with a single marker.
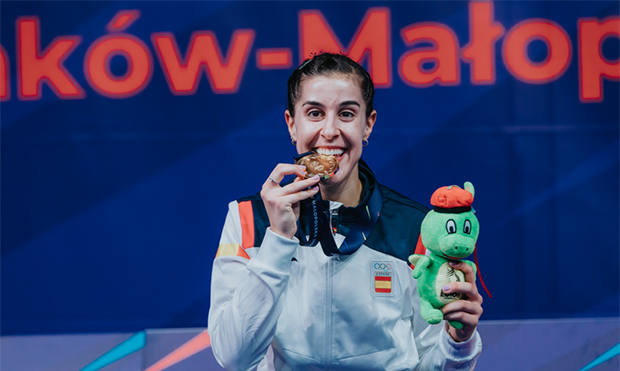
(383, 284)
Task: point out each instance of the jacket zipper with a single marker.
(328, 310)
(328, 317)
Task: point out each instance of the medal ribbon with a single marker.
(320, 230)
(319, 226)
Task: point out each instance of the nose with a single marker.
(330, 129)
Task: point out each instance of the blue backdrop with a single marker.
(115, 181)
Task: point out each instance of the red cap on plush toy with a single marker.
(451, 199)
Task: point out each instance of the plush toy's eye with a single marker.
(467, 226)
(451, 226)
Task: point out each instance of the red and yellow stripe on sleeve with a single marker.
(246, 217)
(231, 249)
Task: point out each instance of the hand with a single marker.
(282, 203)
(467, 310)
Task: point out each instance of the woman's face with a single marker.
(330, 118)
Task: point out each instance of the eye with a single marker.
(347, 114)
(467, 226)
(451, 226)
(315, 113)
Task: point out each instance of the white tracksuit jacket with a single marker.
(276, 305)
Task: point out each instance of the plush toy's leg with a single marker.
(456, 324)
(430, 314)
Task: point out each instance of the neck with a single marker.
(348, 192)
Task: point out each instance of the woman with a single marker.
(281, 305)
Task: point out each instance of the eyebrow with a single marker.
(345, 103)
(312, 103)
(349, 103)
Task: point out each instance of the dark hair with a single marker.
(326, 64)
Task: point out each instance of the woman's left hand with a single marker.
(467, 310)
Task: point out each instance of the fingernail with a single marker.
(316, 177)
(454, 264)
(302, 167)
(446, 288)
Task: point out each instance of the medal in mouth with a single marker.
(325, 166)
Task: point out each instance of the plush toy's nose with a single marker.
(457, 245)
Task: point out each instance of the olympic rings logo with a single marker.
(383, 266)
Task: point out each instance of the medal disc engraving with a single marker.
(316, 164)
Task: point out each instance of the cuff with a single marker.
(276, 251)
(461, 351)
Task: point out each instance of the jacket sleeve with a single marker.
(247, 291)
(437, 350)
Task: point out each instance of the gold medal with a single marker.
(316, 164)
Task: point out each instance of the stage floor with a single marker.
(529, 345)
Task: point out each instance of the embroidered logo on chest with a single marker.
(382, 277)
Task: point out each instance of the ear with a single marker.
(370, 123)
(290, 122)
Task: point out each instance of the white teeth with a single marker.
(334, 152)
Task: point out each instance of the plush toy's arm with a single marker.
(421, 262)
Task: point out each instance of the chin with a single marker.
(341, 175)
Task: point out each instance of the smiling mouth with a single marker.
(336, 152)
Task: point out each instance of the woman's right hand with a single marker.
(282, 203)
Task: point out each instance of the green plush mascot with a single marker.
(448, 233)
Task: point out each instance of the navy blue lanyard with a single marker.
(318, 223)
(320, 230)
